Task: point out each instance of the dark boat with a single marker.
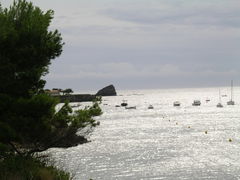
(231, 102)
(124, 103)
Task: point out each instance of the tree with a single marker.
(27, 48)
(67, 91)
(29, 122)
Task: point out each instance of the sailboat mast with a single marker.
(231, 90)
(219, 96)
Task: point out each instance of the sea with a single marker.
(167, 142)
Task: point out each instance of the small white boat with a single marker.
(176, 103)
(150, 107)
(131, 107)
(231, 102)
(196, 103)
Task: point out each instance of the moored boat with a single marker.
(207, 100)
(150, 107)
(131, 107)
(231, 102)
(176, 103)
(196, 103)
(219, 105)
(124, 103)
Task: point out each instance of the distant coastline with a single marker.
(106, 91)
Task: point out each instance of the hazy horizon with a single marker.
(224, 89)
(144, 44)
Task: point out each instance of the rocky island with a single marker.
(107, 91)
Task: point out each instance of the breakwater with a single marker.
(76, 97)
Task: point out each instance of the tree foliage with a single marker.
(67, 91)
(28, 119)
(28, 168)
(27, 47)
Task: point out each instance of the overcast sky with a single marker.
(145, 43)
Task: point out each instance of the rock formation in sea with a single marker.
(107, 91)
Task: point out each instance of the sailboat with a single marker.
(231, 102)
(219, 105)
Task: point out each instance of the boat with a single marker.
(231, 102)
(219, 105)
(176, 103)
(207, 100)
(131, 107)
(124, 103)
(196, 103)
(150, 107)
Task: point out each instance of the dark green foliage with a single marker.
(67, 91)
(29, 122)
(29, 125)
(26, 48)
(84, 117)
(29, 168)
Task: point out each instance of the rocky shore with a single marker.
(106, 91)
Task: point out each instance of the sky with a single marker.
(144, 44)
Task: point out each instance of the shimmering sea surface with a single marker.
(166, 142)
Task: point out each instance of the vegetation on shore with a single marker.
(17, 167)
(29, 122)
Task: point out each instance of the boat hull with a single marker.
(230, 103)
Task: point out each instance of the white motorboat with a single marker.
(176, 103)
(196, 103)
(230, 102)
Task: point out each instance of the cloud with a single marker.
(149, 24)
(137, 42)
(119, 70)
(202, 13)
